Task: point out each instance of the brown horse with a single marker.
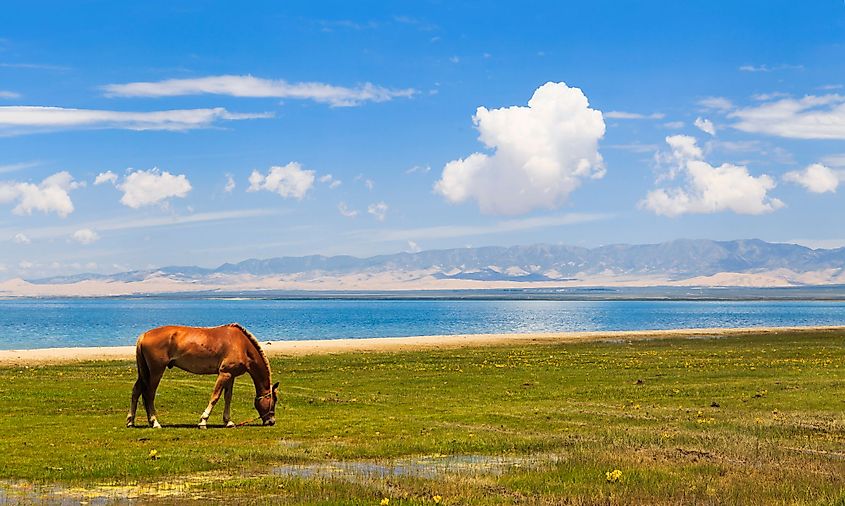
(227, 351)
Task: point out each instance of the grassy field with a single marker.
(734, 420)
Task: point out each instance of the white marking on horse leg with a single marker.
(222, 378)
(230, 424)
(154, 422)
(204, 416)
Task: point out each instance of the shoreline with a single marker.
(397, 344)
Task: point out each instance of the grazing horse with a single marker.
(227, 351)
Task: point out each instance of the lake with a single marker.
(43, 323)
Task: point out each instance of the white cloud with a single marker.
(85, 236)
(105, 177)
(815, 178)
(379, 210)
(540, 153)
(705, 125)
(633, 115)
(413, 247)
(345, 210)
(26, 119)
(230, 184)
(4, 94)
(331, 181)
(52, 195)
(147, 187)
(674, 124)
(709, 189)
(21, 238)
(249, 86)
(290, 180)
(811, 117)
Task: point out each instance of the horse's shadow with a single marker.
(185, 426)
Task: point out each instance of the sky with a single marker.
(137, 135)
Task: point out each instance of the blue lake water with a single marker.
(42, 323)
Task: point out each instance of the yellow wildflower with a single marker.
(437, 499)
(154, 454)
(613, 476)
(385, 501)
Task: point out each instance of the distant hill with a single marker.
(676, 263)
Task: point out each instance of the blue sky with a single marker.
(214, 127)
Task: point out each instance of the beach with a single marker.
(397, 344)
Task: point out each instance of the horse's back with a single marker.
(195, 349)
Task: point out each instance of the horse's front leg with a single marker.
(222, 379)
(227, 399)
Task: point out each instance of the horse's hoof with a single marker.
(230, 424)
(201, 426)
(129, 425)
(156, 425)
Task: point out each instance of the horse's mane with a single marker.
(252, 338)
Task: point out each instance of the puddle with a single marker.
(99, 495)
(183, 488)
(429, 467)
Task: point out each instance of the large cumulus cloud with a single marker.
(540, 154)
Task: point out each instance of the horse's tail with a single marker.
(143, 370)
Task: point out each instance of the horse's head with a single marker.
(266, 405)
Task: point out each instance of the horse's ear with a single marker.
(275, 386)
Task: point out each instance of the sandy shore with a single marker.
(388, 344)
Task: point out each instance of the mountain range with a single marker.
(676, 263)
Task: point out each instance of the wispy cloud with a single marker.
(424, 169)
(125, 223)
(27, 119)
(329, 25)
(634, 147)
(819, 243)
(10, 95)
(14, 167)
(451, 231)
(770, 68)
(255, 87)
(837, 160)
(632, 115)
(810, 117)
(716, 103)
(34, 66)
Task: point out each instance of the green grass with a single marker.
(735, 420)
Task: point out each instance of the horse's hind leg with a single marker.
(133, 406)
(149, 394)
(227, 398)
(222, 380)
